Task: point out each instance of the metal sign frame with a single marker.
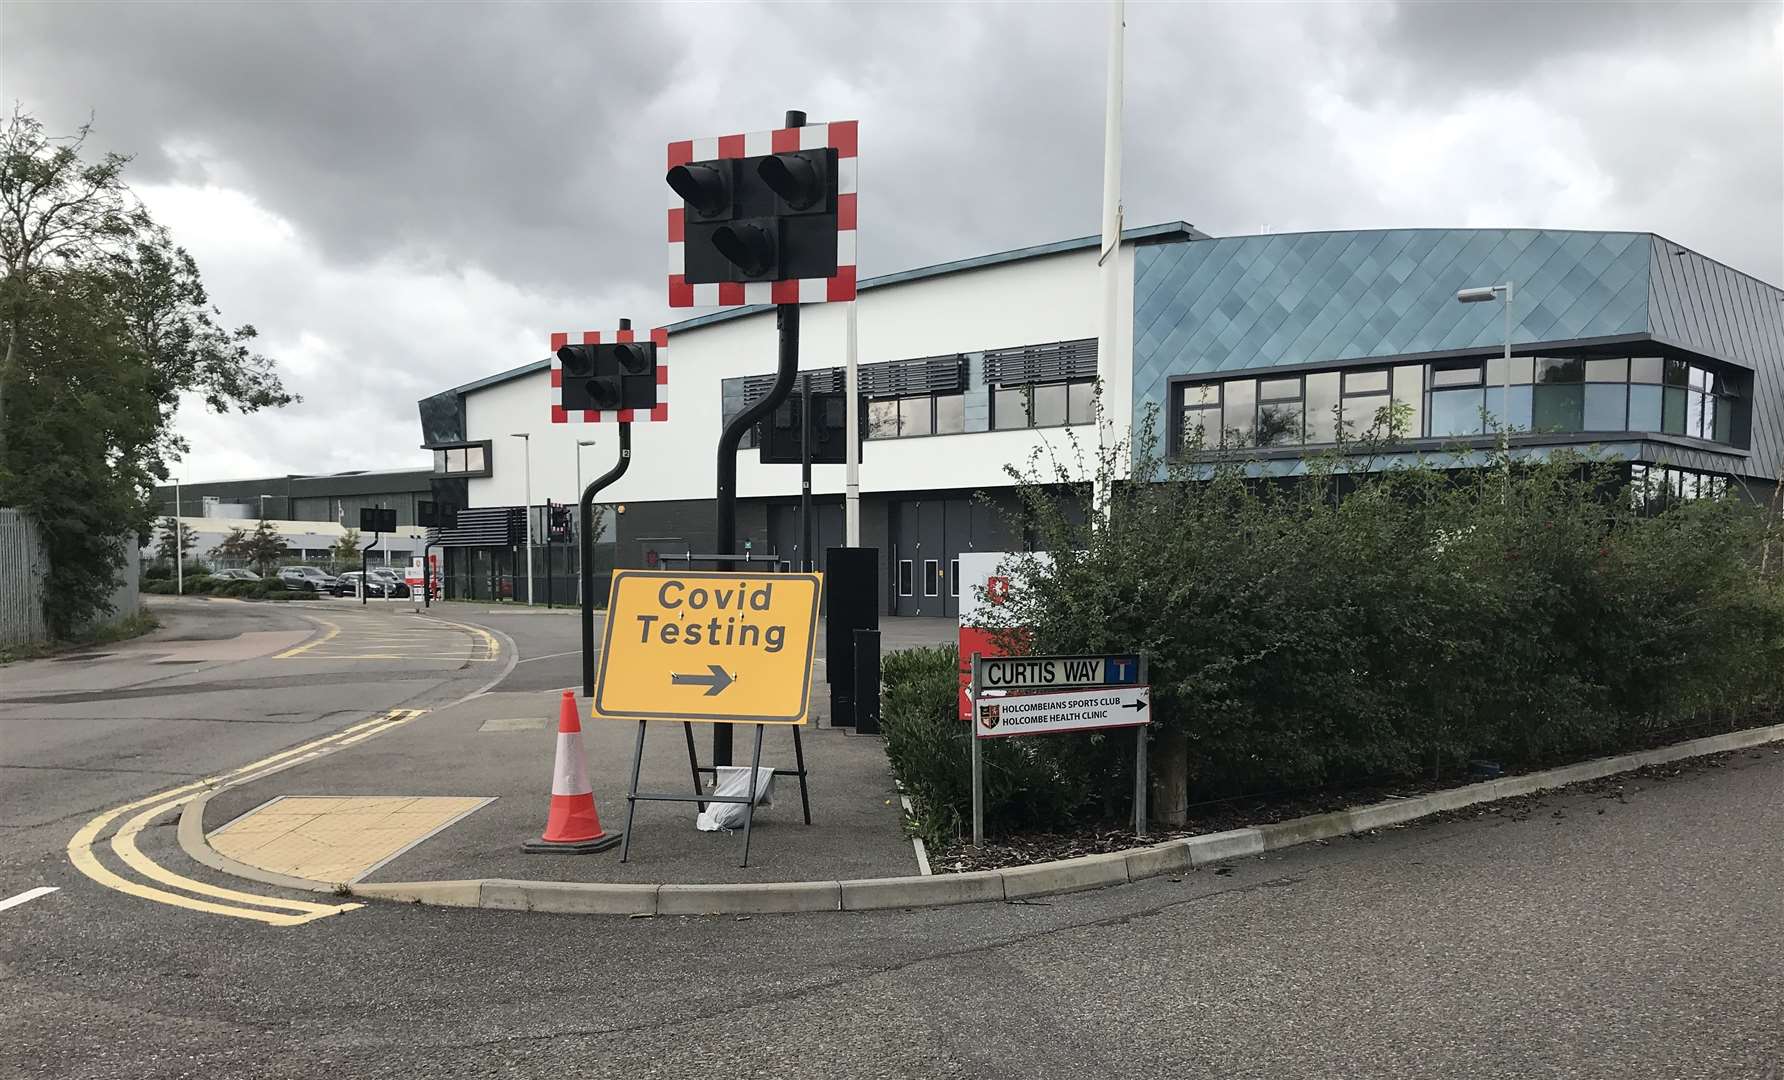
(977, 684)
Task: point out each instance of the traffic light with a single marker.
(377, 520)
(772, 217)
(778, 436)
(614, 375)
(557, 522)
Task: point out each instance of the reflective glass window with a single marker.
(1605, 406)
(1365, 382)
(1201, 428)
(1009, 407)
(1240, 397)
(1278, 389)
(1644, 369)
(1409, 391)
(1644, 408)
(1521, 370)
(439, 461)
(1454, 373)
(1672, 412)
(1558, 407)
(1455, 412)
(455, 460)
(1560, 369)
(1723, 429)
(1700, 379)
(950, 414)
(474, 461)
(1279, 423)
(1080, 407)
(904, 577)
(932, 577)
(1613, 369)
(1700, 415)
(1049, 405)
(1322, 399)
(882, 419)
(914, 416)
(1519, 407)
(1361, 411)
(1678, 373)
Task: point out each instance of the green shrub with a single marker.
(1356, 625)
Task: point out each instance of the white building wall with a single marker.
(1034, 301)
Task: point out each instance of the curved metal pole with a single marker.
(588, 555)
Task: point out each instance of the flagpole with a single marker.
(1109, 258)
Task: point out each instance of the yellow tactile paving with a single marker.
(338, 838)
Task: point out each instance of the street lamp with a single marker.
(1485, 294)
(179, 536)
(527, 440)
(581, 524)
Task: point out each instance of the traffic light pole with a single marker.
(806, 562)
(587, 543)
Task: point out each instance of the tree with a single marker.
(264, 547)
(167, 549)
(105, 325)
(233, 547)
(346, 549)
(597, 523)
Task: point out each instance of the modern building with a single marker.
(1628, 342)
(312, 513)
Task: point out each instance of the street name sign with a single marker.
(1041, 714)
(731, 648)
(1057, 672)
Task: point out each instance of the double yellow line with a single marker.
(238, 904)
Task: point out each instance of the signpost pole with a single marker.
(978, 763)
(363, 552)
(806, 562)
(1141, 784)
(550, 581)
(588, 555)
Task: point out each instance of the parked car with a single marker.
(237, 574)
(392, 579)
(314, 577)
(376, 585)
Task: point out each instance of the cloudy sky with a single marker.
(403, 197)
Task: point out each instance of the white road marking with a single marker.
(27, 896)
(550, 656)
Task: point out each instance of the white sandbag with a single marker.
(733, 780)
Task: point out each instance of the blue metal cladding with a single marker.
(1206, 306)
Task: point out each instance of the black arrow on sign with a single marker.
(1136, 705)
(715, 683)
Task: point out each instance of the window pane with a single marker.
(904, 577)
(1322, 397)
(1009, 407)
(913, 416)
(1277, 389)
(1453, 374)
(950, 414)
(1723, 431)
(1559, 408)
(1201, 429)
(474, 461)
(1279, 424)
(1605, 406)
(1678, 373)
(882, 419)
(1241, 402)
(1049, 405)
(1521, 369)
(455, 460)
(1616, 369)
(953, 577)
(1518, 407)
(1700, 420)
(1202, 394)
(1080, 398)
(1644, 408)
(932, 577)
(1644, 369)
(1455, 412)
(1360, 411)
(1672, 416)
(1365, 382)
(1700, 378)
(439, 461)
(1409, 392)
(1560, 369)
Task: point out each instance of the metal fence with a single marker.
(23, 566)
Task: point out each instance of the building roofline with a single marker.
(1160, 233)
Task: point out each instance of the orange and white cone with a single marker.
(573, 824)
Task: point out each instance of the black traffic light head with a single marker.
(604, 377)
(767, 218)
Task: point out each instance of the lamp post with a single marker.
(527, 441)
(1486, 294)
(581, 521)
(179, 536)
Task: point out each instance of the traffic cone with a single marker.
(573, 824)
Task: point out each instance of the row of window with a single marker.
(932, 577)
(1654, 486)
(1012, 407)
(460, 460)
(1464, 397)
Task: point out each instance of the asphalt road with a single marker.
(1601, 934)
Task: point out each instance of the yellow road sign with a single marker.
(708, 646)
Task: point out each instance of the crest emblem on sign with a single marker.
(997, 589)
(988, 716)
